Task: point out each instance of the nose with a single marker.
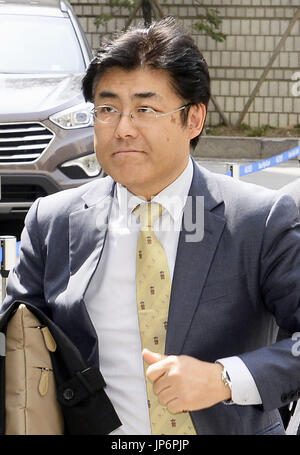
(125, 126)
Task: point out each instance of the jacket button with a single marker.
(68, 394)
(292, 395)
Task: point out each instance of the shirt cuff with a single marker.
(244, 390)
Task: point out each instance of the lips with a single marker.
(118, 152)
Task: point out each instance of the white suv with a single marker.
(46, 129)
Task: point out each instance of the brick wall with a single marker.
(253, 29)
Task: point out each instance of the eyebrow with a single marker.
(108, 94)
(147, 95)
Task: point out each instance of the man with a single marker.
(87, 254)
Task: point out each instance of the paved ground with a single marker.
(273, 177)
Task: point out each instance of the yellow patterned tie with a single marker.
(153, 288)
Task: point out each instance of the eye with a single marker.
(145, 110)
(106, 109)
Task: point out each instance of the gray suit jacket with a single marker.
(229, 292)
(293, 189)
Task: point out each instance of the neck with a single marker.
(148, 192)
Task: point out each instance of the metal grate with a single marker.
(23, 142)
(21, 193)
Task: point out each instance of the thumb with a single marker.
(152, 357)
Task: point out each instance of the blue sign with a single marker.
(18, 248)
(247, 169)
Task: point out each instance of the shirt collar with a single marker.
(172, 198)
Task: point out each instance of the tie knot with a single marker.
(148, 214)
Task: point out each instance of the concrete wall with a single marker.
(253, 29)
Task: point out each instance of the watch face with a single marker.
(226, 377)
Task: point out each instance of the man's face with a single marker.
(144, 159)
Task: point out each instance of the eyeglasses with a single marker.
(140, 115)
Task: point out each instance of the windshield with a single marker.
(38, 44)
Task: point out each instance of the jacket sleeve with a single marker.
(276, 368)
(26, 279)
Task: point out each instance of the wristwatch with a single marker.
(226, 381)
(226, 378)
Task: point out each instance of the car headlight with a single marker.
(88, 163)
(78, 116)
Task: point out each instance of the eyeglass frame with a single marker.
(131, 116)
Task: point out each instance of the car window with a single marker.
(38, 44)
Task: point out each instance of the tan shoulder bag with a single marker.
(31, 404)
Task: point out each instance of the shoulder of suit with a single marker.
(65, 202)
(293, 190)
(236, 189)
(244, 202)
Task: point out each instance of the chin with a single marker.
(126, 175)
(125, 179)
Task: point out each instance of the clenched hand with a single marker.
(184, 383)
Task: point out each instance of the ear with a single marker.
(196, 119)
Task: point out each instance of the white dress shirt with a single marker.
(111, 304)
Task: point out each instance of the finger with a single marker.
(155, 371)
(166, 396)
(157, 366)
(161, 383)
(175, 406)
(152, 357)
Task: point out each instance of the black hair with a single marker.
(163, 45)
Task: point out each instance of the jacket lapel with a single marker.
(193, 260)
(87, 232)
